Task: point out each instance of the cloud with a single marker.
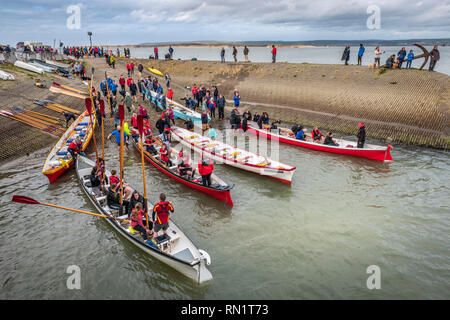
(118, 21)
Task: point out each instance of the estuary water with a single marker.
(314, 239)
(317, 55)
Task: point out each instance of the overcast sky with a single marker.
(140, 21)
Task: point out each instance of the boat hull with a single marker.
(284, 176)
(28, 67)
(223, 195)
(54, 173)
(197, 272)
(382, 154)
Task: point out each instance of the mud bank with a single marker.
(403, 106)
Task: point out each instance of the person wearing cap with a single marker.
(361, 135)
(301, 134)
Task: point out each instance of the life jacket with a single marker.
(76, 146)
(205, 166)
(162, 210)
(316, 133)
(113, 179)
(164, 157)
(134, 122)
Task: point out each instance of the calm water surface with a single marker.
(311, 240)
(325, 55)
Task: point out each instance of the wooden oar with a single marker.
(87, 102)
(31, 124)
(27, 200)
(140, 123)
(68, 88)
(121, 118)
(67, 92)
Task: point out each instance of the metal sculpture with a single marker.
(425, 55)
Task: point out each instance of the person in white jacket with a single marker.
(378, 54)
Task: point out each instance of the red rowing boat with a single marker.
(349, 148)
(218, 189)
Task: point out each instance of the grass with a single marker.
(382, 71)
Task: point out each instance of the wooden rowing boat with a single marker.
(235, 157)
(59, 159)
(345, 147)
(179, 110)
(176, 249)
(218, 189)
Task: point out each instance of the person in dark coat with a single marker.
(221, 106)
(361, 135)
(346, 55)
(435, 56)
(135, 199)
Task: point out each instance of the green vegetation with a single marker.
(383, 70)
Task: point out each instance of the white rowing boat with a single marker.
(175, 249)
(235, 157)
(6, 76)
(29, 67)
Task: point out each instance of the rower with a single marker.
(75, 148)
(361, 135)
(95, 178)
(317, 136)
(164, 155)
(211, 133)
(184, 167)
(117, 134)
(136, 222)
(160, 215)
(135, 199)
(113, 198)
(166, 138)
(329, 140)
(148, 144)
(205, 168)
(113, 178)
(301, 134)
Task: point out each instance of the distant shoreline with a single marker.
(210, 46)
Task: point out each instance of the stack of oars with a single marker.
(56, 107)
(34, 122)
(67, 92)
(40, 116)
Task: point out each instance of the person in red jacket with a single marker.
(205, 168)
(160, 215)
(128, 70)
(76, 148)
(156, 52)
(274, 53)
(122, 82)
(169, 93)
(134, 123)
(316, 135)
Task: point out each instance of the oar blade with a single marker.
(24, 200)
(140, 124)
(121, 112)
(88, 105)
(102, 107)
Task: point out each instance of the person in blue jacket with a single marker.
(401, 57)
(360, 53)
(410, 59)
(301, 134)
(236, 98)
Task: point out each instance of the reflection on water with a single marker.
(313, 239)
